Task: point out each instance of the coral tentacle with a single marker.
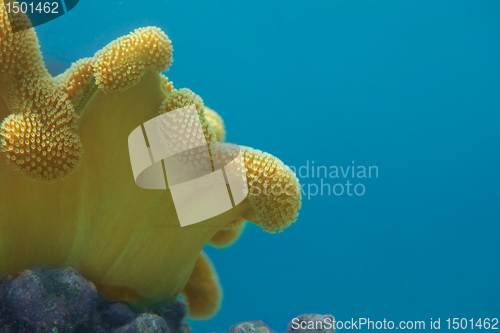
(203, 292)
(122, 62)
(217, 123)
(229, 234)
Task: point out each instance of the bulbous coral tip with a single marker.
(217, 123)
(122, 63)
(41, 154)
(203, 292)
(274, 191)
(39, 139)
(177, 99)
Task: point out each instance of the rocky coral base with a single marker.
(61, 300)
(306, 323)
(47, 300)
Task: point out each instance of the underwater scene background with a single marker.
(409, 88)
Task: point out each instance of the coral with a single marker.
(274, 191)
(146, 323)
(117, 314)
(203, 292)
(217, 123)
(51, 300)
(312, 323)
(122, 62)
(41, 146)
(305, 323)
(228, 234)
(67, 194)
(61, 300)
(256, 326)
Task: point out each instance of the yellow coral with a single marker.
(168, 85)
(228, 234)
(43, 150)
(274, 191)
(177, 99)
(122, 63)
(69, 134)
(217, 123)
(203, 292)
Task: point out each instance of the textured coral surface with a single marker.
(67, 194)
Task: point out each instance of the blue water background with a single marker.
(412, 87)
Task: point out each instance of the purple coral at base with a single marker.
(321, 324)
(256, 326)
(51, 300)
(61, 300)
(146, 323)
